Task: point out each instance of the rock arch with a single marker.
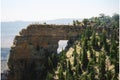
(33, 42)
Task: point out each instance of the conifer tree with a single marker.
(94, 57)
(84, 59)
(61, 76)
(91, 70)
(104, 40)
(114, 55)
(69, 68)
(78, 70)
(93, 39)
(50, 63)
(102, 71)
(74, 22)
(68, 75)
(85, 77)
(85, 21)
(62, 57)
(49, 76)
(114, 49)
(75, 56)
(109, 75)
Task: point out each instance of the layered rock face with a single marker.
(32, 46)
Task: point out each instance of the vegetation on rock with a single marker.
(96, 53)
(91, 55)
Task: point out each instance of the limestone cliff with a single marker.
(28, 55)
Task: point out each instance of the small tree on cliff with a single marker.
(104, 39)
(85, 21)
(84, 59)
(69, 68)
(75, 56)
(63, 56)
(54, 58)
(102, 71)
(84, 42)
(91, 70)
(61, 76)
(74, 23)
(109, 75)
(78, 70)
(93, 39)
(114, 57)
(63, 60)
(68, 75)
(50, 63)
(49, 76)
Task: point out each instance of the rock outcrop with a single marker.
(32, 45)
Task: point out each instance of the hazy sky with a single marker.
(35, 10)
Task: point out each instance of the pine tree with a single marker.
(74, 23)
(50, 63)
(94, 41)
(84, 77)
(77, 22)
(62, 57)
(78, 70)
(102, 71)
(114, 55)
(91, 70)
(104, 40)
(68, 75)
(54, 58)
(85, 21)
(84, 43)
(69, 72)
(69, 68)
(75, 56)
(88, 33)
(109, 75)
(113, 49)
(91, 52)
(61, 76)
(49, 76)
(84, 59)
(94, 57)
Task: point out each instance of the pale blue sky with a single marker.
(35, 10)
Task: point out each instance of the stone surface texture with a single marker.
(28, 52)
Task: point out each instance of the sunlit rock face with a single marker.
(28, 55)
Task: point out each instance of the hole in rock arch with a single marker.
(61, 45)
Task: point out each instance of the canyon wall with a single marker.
(31, 47)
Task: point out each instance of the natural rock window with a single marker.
(61, 45)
